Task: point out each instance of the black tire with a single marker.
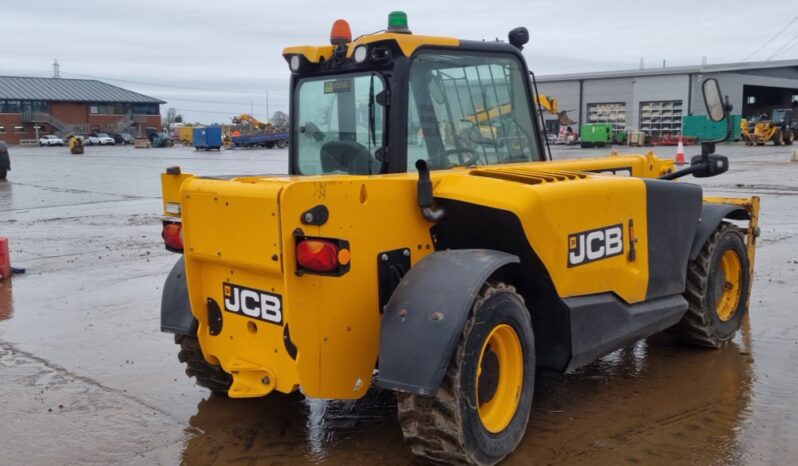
(702, 325)
(206, 374)
(777, 138)
(789, 138)
(448, 428)
(282, 144)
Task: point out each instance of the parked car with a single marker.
(51, 140)
(100, 138)
(5, 160)
(122, 138)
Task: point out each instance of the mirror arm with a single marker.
(683, 172)
(707, 149)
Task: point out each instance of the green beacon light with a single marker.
(397, 22)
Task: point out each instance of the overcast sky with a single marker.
(214, 59)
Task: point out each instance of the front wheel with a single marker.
(777, 138)
(481, 410)
(717, 290)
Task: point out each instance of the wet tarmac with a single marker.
(87, 378)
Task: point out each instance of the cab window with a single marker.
(469, 109)
(339, 126)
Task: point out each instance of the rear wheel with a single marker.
(480, 412)
(206, 374)
(717, 290)
(282, 143)
(777, 138)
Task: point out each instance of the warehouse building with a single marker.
(654, 100)
(32, 107)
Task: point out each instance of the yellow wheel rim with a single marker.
(728, 285)
(500, 375)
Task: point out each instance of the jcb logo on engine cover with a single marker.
(253, 303)
(592, 245)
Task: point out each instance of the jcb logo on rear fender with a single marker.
(592, 245)
(253, 303)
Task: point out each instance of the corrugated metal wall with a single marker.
(634, 90)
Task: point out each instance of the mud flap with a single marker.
(176, 314)
(425, 317)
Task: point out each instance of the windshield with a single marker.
(779, 115)
(339, 126)
(469, 109)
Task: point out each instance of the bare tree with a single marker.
(171, 117)
(280, 121)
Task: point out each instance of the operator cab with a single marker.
(782, 116)
(382, 102)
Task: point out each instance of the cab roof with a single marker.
(407, 43)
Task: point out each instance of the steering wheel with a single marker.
(460, 151)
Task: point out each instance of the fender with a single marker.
(711, 216)
(425, 317)
(176, 314)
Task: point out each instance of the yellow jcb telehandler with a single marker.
(781, 129)
(446, 273)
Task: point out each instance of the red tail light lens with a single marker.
(173, 236)
(317, 255)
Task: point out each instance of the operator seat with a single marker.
(346, 156)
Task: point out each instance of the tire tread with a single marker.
(696, 325)
(431, 425)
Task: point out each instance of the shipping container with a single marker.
(208, 138)
(699, 126)
(185, 134)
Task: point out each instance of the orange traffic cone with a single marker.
(5, 260)
(680, 152)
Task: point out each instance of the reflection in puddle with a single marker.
(6, 303)
(654, 402)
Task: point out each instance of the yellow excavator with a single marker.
(487, 131)
(550, 105)
(246, 118)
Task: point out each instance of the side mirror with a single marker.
(716, 110)
(709, 165)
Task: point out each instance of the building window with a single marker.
(2, 129)
(19, 129)
(10, 106)
(613, 113)
(146, 109)
(109, 108)
(661, 118)
(751, 99)
(794, 98)
(34, 106)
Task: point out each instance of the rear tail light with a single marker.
(324, 256)
(173, 236)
